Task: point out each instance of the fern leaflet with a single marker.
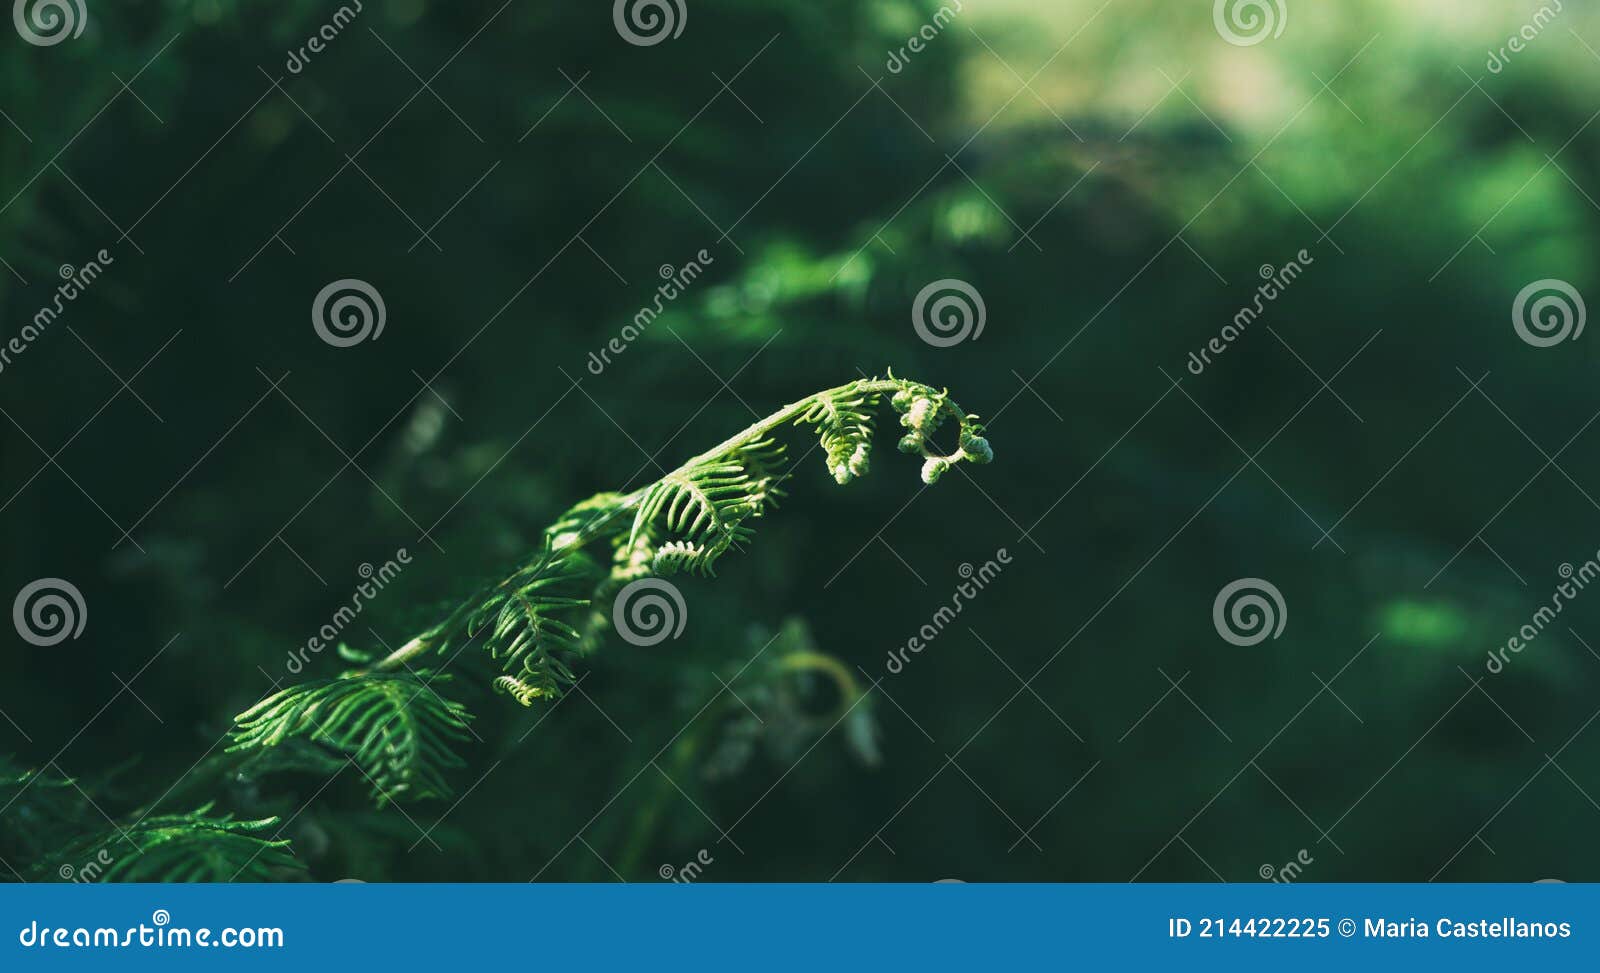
(394, 727)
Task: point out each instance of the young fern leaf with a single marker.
(193, 847)
(843, 418)
(763, 462)
(705, 507)
(597, 517)
(550, 612)
(684, 521)
(521, 615)
(394, 727)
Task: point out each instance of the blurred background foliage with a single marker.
(1109, 175)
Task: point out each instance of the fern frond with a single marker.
(703, 510)
(843, 418)
(193, 847)
(687, 557)
(395, 727)
(704, 503)
(763, 463)
(549, 611)
(526, 688)
(600, 515)
(552, 609)
(528, 619)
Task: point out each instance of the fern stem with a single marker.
(783, 416)
(399, 657)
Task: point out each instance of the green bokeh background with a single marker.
(1109, 176)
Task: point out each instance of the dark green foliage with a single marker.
(55, 832)
(796, 693)
(38, 810)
